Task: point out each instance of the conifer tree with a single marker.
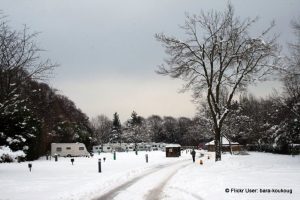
(116, 129)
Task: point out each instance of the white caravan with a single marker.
(69, 149)
(97, 149)
(108, 147)
(120, 147)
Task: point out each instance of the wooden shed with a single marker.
(173, 150)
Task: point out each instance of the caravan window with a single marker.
(108, 147)
(81, 148)
(96, 147)
(58, 148)
(68, 148)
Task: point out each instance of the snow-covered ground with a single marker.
(234, 175)
(130, 177)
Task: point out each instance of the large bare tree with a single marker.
(217, 55)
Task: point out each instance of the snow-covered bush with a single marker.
(7, 155)
(19, 127)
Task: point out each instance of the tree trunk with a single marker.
(218, 147)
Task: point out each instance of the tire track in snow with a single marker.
(155, 194)
(114, 192)
(195, 196)
(158, 191)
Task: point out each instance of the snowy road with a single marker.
(148, 186)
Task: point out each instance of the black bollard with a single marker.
(72, 160)
(104, 159)
(47, 157)
(29, 166)
(19, 159)
(55, 158)
(146, 158)
(99, 165)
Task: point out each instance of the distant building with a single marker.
(227, 145)
(121, 147)
(173, 150)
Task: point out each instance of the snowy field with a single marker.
(129, 177)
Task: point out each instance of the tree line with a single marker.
(167, 129)
(270, 124)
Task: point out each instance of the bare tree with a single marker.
(155, 127)
(102, 128)
(218, 55)
(20, 59)
(291, 78)
(21, 66)
(290, 75)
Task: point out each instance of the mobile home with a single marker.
(69, 149)
(110, 147)
(143, 146)
(97, 149)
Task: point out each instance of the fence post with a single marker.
(99, 165)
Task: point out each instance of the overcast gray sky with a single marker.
(107, 51)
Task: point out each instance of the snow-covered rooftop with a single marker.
(173, 145)
(224, 142)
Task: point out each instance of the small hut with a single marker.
(173, 150)
(227, 145)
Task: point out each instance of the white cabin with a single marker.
(69, 149)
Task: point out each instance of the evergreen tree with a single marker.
(135, 119)
(116, 129)
(19, 128)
